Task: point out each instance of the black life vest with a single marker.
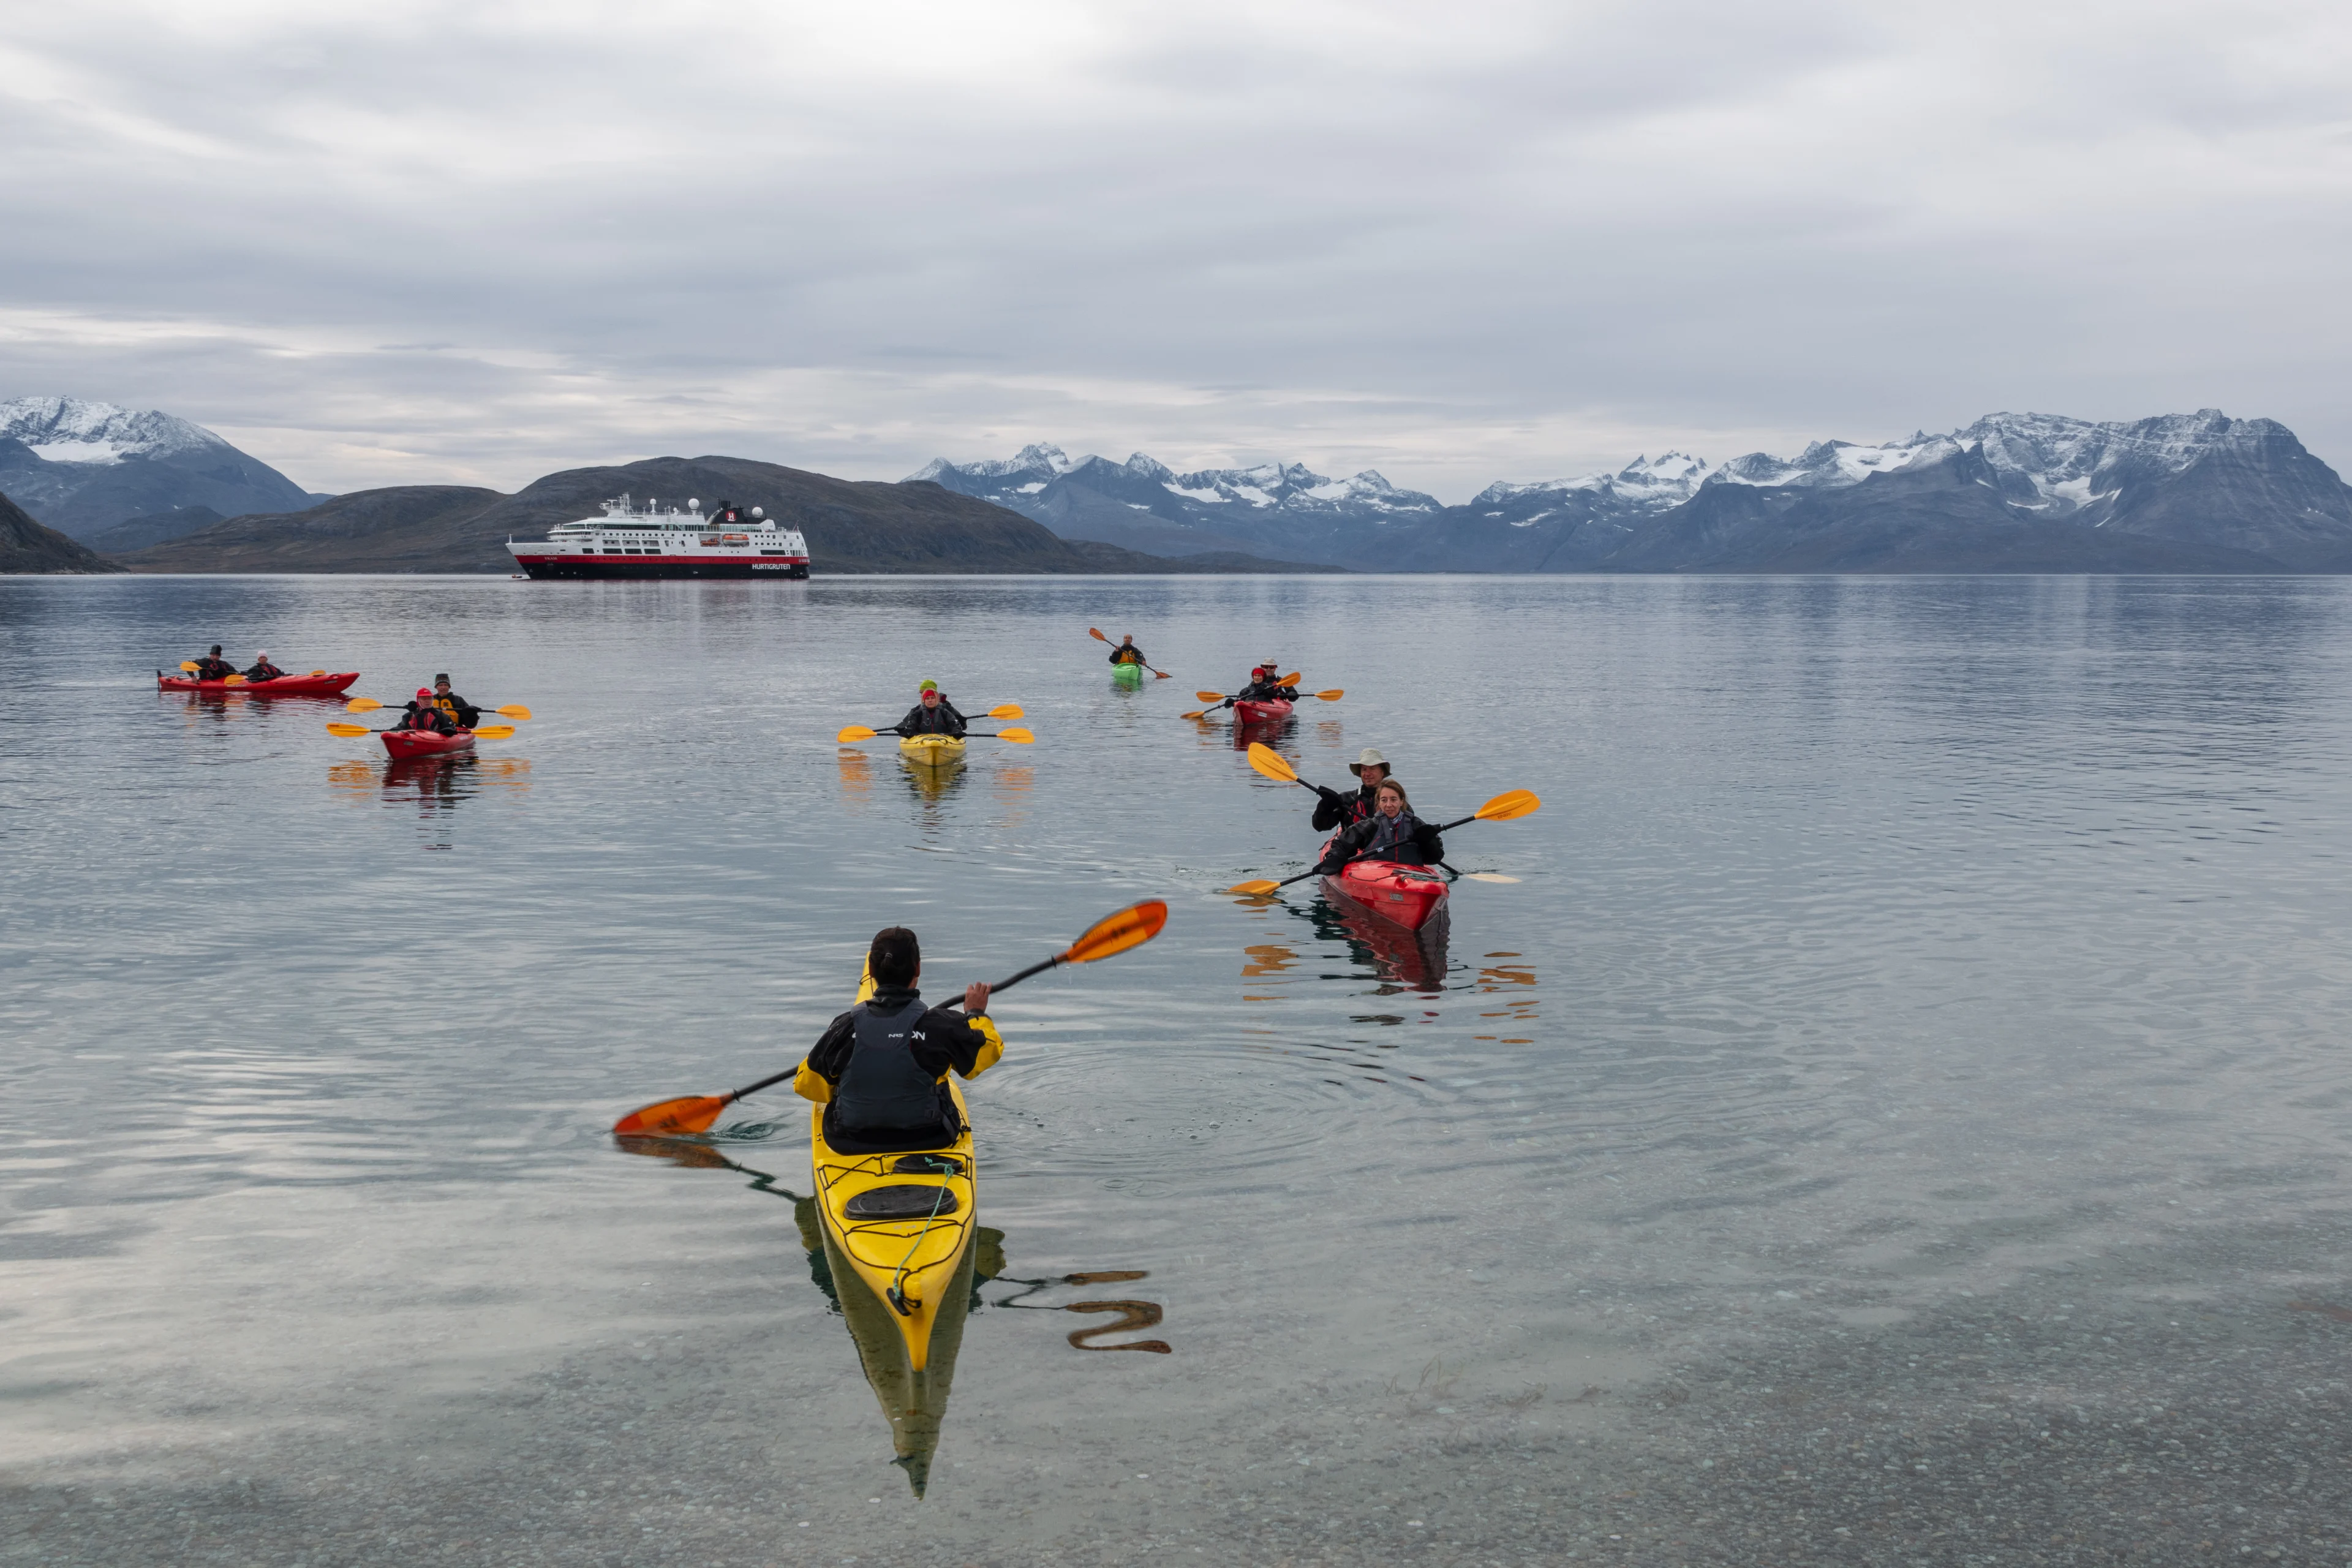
(882, 1086)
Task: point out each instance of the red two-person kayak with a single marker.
(283, 685)
(405, 743)
(1412, 895)
(1261, 712)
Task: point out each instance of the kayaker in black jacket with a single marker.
(1266, 687)
(426, 714)
(450, 702)
(880, 1070)
(1337, 809)
(1391, 832)
(1126, 652)
(933, 715)
(213, 667)
(262, 668)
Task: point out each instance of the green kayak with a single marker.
(1126, 674)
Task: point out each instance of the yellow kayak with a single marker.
(931, 751)
(902, 1222)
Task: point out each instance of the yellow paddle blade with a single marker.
(189, 665)
(1132, 927)
(1210, 696)
(316, 673)
(854, 733)
(361, 705)
(689, 1113)
(348, 730)
(1333, 695)
(1268, 761)
(1505, 806)
(513, 711)
(1018, 737)
(232, 681)
(1202, 715)
(1290, 679)
(1006, 710)
(1253, 890)
(494, 732)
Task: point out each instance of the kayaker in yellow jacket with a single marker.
(1126, 652)
(880, 1070)
(466, 714)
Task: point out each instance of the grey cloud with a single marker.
(1455, 244)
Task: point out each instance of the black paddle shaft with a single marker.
(772, 1082)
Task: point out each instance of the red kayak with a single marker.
(283, 685)
(405, 743)
(1412, 895)
(1261, 712)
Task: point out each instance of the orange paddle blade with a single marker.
(189, 665)
(1253, 890)
(1210, 696)
(1018, 737)
(1006, 710)
(1200, 715)
(232, 681)
(1096, 635)
(1132, 927)
(513, 711)
(854, 732)
(1159, 675)
(1268, 761)
(1333, 695)
(1511, 803)
(348, 730)
(494, 732)
(1290, 679)
(361, 705)
(317, 672)
(692, 1113)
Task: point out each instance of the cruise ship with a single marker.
(728, 542)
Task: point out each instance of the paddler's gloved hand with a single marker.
(1331, 797)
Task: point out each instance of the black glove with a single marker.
(1331, 797)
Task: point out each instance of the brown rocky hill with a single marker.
(850, 525)
(27, 548)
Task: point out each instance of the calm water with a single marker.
(1915, 1032)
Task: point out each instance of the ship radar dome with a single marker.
(694, 503)
(757, 512)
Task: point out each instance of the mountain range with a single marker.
(851, 526)
(116, 479)
(2029, 492)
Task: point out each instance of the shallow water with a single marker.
(1953, 964)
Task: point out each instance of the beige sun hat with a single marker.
(1370, 759)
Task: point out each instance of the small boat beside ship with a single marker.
(729, 542)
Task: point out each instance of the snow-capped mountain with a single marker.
(2011, 492)
(1283, 510)
(82, 468)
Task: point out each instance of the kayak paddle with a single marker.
(1222, 701)
(1270, 762)
(858, 732)
(1130, 927)
(1504, 807)
(369, 705)
(1160, 674)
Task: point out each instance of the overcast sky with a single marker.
(1457, 242)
